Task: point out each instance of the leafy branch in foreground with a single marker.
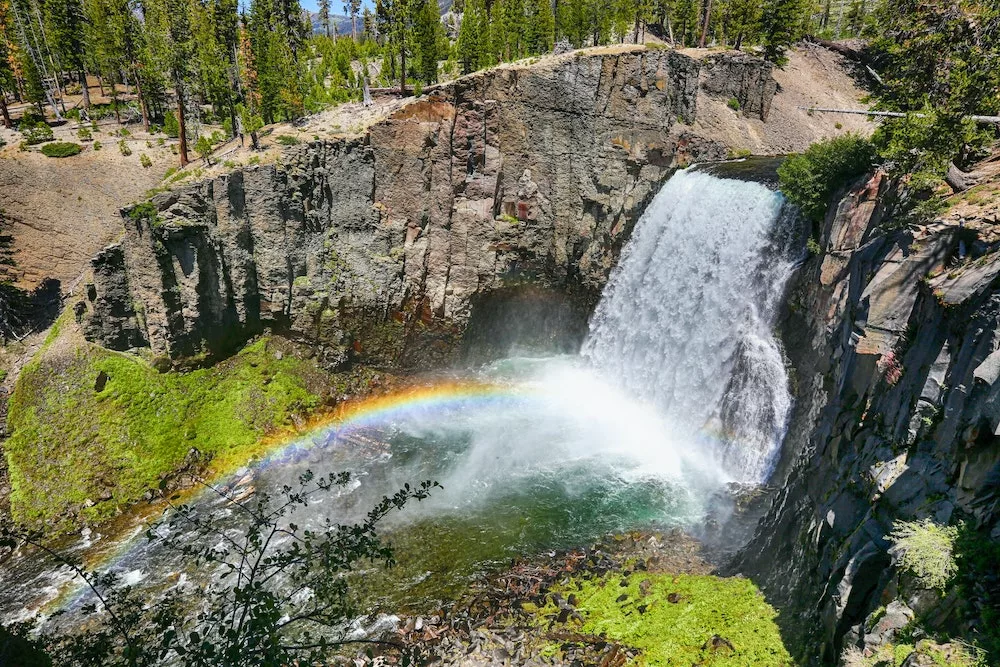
(277, 594)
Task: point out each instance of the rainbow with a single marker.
(428, 400)
(434, 399)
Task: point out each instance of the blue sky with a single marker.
(336, 6)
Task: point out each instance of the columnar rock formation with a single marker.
(893, 334)
(380, 248)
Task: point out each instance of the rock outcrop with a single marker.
(893, 335)
(381, 248)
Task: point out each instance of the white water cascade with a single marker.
(686, 320)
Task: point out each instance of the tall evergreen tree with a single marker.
(470, 36)
(353, 7)
(168, 23)
(63, 23)
(324, 16)
(540, 28)
(8, 81)
(780, 26)
(428, 31)
(395, 18)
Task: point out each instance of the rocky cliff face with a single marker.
(382, 248)
(894, 337)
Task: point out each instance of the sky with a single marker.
(336, 6)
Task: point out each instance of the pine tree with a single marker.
(573, 21)
(353, 7)
(63, 23)
(742, 21)
(685, 20)
(7, 59)
(856, 17)
(780, 27)
(428, 30)
(324, 16)
(540, 27)
(469, 36)
(396, 20)
(168, 24)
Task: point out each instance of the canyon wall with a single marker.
(518, 184)
(894, 337)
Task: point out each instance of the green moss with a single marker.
(70, 442)
(674, 622)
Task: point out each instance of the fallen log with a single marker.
(993, 120)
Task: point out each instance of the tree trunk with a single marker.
(354, 27)
(142, 103)
(670, 28)
(402, 68)
(84, 89)
(114, 102)
(181, 129)
(100, 84)
(704, 26)
(4, 112)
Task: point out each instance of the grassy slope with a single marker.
(674, 620)
(69, 442)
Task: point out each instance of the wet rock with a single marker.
(101, 381)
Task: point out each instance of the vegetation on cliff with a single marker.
(93, 430)
(810, 179)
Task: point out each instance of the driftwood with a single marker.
(993, 120)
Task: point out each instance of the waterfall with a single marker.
(686, 322)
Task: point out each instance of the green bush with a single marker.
(926, 550)
(811, 178)
(97, 145)
(145, 161)
(170, 125)
(124, 148)
(733, 104)
(83, 134)
(36, 134)
(287, 140)
(61, 149)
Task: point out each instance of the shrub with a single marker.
(170, 125)
(813, 246)
(733, 104)
(61, 149)
(83, 134)
(203, 147)
(29, 119)
(123, 147)
(811, 178)
(287, 140)
(247, 619)
(145, 161)
(97, 145)
(926, 550)
(36, 134)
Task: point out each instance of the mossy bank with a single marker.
(92, 430)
